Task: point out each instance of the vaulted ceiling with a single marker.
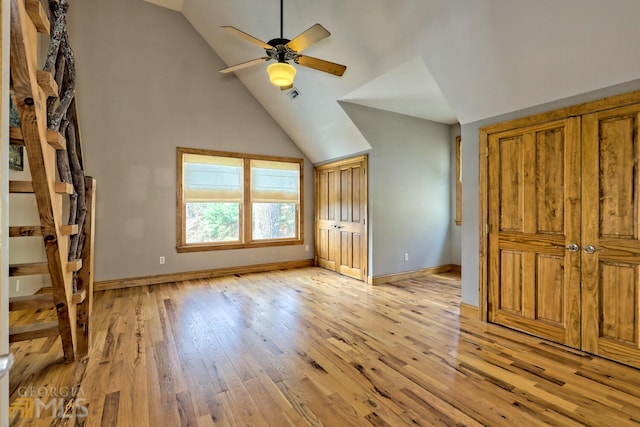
(442, 60)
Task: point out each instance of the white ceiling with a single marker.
(443, 60)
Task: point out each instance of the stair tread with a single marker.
(25, 230)
(36, 230)
(33, 331)
(29, 302)
(27, 187)
(41, 301)
(28, 268)
(54, 138)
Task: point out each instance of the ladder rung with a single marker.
(27, 187)
(73, 266)
(38, 16)
(28, 269)
(47, 82)
(79, 296)
(64, 188)
(42, 301)
(20, 187)
(15, 136)
(36, 230)
(69, 230)
(31, 302)
(33, 331)
(54, 138)
(25, 231)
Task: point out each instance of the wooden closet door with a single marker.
(351, 226)
(534, 216)
(326, 201)
(341, 212)
(611, 245)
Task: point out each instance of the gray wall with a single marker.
(409, 190)
(23, 210)
(470, 155)
(148, 83)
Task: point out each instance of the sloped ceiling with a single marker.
(442, 60)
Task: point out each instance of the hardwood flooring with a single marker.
(309, 347)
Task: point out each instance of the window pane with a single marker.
(274, 221)
(212, 222)
(275, 182)
(212, 178)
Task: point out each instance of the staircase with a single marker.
(45, 101)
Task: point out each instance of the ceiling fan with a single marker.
(282, 50)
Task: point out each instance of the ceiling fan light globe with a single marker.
(281, 74)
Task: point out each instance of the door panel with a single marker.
(611, 274)
(549, 296)
(341, 210)
(511, 282)
(325, 219)
(350, 226)
(534, 197)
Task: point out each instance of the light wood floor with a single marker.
(309, 347)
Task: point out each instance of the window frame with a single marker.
(245, 217)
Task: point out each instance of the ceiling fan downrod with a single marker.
(281, 19)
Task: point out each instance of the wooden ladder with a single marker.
(31, 89)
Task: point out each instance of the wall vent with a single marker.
(294, 93)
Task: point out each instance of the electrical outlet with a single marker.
(17, 286)
(162, 260)
(306, 248)
(406, 257)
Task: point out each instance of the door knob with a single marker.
(589, 249)
(6, 362)
(573, 247)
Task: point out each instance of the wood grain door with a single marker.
(610, 235)
(326, 202)
(534, 216)
(341, 212)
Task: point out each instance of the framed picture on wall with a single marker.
(16, 157)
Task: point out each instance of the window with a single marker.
(231, 200)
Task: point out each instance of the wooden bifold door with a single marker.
(563, 243)
(341, 217)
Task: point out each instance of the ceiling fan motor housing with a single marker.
(278, 42)
(280, 51)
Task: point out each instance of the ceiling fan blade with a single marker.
(244, 64)
(308, 37)
(320, 65)
(247, 37)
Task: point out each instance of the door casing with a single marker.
(341, 227)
